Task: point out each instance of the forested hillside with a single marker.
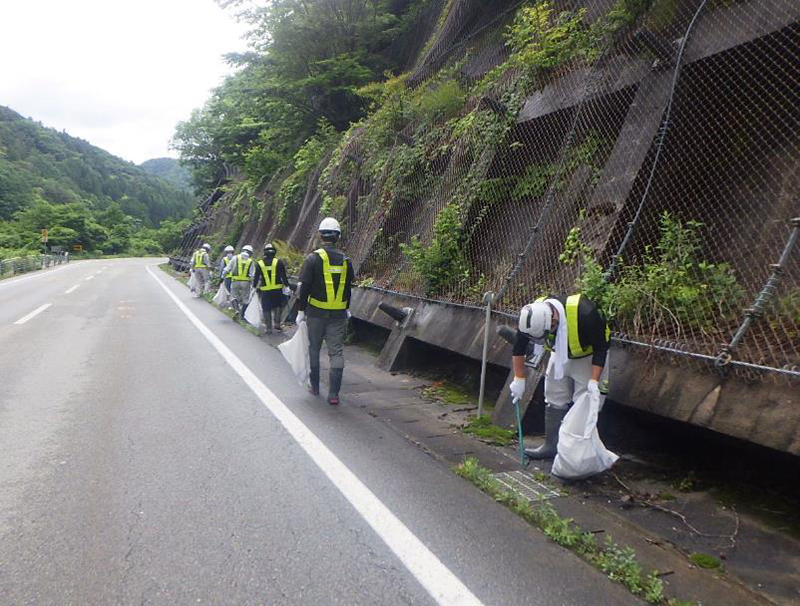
(170, 170)
(81, 193)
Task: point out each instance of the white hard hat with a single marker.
(207, 246)
(535, 319)
(228, 249)
(247, 248)
(330, 224)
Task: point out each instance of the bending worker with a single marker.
(201, 263)
(575, 332)
(272, 283)
(241, 271)
(326, 280)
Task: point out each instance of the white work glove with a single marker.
(517, 388)
(349, 315)
(594, 389)
(287, 291)
(301, 317)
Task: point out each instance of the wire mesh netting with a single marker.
(645, 152)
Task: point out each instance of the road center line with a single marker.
(443, 586)
(89, 278)
(73, 289)
(33, 314)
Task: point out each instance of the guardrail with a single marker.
(19, 265)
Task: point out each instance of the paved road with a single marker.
(152, 452)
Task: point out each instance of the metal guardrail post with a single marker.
(488, 298)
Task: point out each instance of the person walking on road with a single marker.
(201, 262)
(272, 284)
(223, 263)
(326, 280)
(575, 332)
(241, 271)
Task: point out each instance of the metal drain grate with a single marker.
(526, 485)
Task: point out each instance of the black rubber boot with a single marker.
(552, 423)
(313, 379)
(335, 384)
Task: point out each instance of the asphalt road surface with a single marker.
(153, 452)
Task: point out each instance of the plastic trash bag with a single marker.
(581, 453)
(253, 314)
(222, 297)
(193, 282)
(295, 350)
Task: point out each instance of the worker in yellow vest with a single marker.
(272, 285)
(324, 303)
(201, 263)
(241, 270)
(577, 336)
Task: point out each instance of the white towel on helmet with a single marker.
(561, 349)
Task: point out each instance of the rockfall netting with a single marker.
(646, 152)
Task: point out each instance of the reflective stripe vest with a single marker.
(576, 350)
(270, 275)
(242, 273)
(199, 263)
(333, 300)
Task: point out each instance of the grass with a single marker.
(701, 560)
(481, 427)
(618, 562)
(445, 392)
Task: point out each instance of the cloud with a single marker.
(118, 73)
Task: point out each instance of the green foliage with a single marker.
(483, 428)
(290, 255)
(440, 101)
(42, 164)
(619, 563)
(672, 287)
(702, 560)
(442, 261)
(170, 170)
(306, 159)
(309, 62)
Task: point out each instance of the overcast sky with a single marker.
(118, 73)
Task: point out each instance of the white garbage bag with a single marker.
(581, 453)
(221, 298)
(295, 350)
(193, 281)
(253, 314)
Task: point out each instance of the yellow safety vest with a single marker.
(270, 275)
(242, 269)
(198, 260)
(333, 300)
(576, 350)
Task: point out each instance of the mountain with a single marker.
(85, 197)
(170, 170)
(39, 163)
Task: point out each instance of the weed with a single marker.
(617, 562)
(482, 427)
(702, 560)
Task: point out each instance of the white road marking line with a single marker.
(33, 314)
(89, 278)
(73, 289)
(443, 586)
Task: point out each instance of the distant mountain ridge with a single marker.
(40, 163)
(170, 170)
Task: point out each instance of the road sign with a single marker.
(44, 235)
(77, 248)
